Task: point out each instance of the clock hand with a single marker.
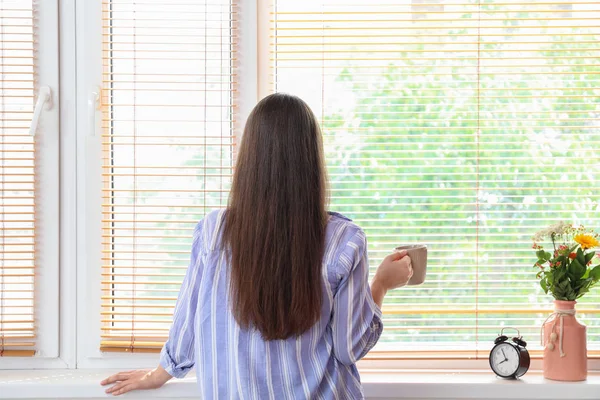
(504, 354)
(502, 361)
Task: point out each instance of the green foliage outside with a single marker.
(535, 137)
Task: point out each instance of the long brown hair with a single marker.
(275, 222)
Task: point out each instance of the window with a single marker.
(28, 180)
(168, 104)
(465, 125)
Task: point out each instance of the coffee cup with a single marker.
(418, 257)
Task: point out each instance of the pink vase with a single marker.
(564, 360)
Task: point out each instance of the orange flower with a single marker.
(586, 241)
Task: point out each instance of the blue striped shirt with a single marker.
(235, 363)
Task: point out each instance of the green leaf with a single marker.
(580, 256)
(559, 294)
(540, 254)
(595, 273)
(582, 292)
(577, 285)
(559, 274)
(588, 257)
(582, 284)
(543, 255)
(563, 285)
(576, 270)
(544, 286)
(587, 274)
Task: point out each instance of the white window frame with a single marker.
(89, 196)
(47, 199)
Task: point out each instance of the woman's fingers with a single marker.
(117, 387)
(408, 263)
(125, 389)
(401, 253)
(404, 271)
(115, 378)
(397, 255)
(411, 271)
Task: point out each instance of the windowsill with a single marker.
(378, 384)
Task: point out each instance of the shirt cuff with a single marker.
(172, 368)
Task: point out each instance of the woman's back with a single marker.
(232, 362)
(276, 302)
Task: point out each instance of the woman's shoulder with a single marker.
(343, 236)
(337, 215)
(342, 225)
(208, 229)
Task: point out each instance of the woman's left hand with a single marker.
(143, 379)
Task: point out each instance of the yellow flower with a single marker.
(586, 241)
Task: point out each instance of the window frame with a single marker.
(88, 203)
(47, 227)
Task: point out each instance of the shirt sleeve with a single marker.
(177, 355)
(356, 322)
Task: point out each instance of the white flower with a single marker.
(557, 229)
(539, 236)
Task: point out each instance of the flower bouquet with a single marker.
(567, 273)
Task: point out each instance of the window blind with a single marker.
(17, 181)
(464, 125)
(168, 136)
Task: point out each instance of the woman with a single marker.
(276, 302)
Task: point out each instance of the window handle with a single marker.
(93, 106)
(44, 99)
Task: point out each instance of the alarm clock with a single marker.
(509, 359)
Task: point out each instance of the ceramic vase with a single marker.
(565, 344)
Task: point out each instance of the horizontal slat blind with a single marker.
(168, 141)
(465, 125)
(17, 162)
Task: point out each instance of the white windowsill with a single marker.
(378, 384)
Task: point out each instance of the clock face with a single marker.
(504, 360)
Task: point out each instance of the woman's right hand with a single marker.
(136, 380)
(394, 271)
